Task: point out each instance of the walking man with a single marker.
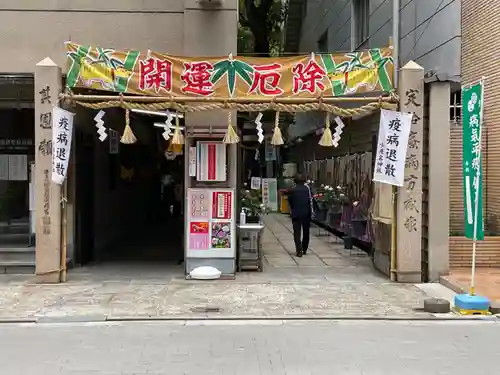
(300, 200)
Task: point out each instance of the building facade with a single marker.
(429, 35)
(32, 32)
(479, 41)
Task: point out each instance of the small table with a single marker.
(250, 246)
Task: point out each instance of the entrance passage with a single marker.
(129, 201)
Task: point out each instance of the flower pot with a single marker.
(359, 228)
(253, 219)
(320, 215)
(348, 243)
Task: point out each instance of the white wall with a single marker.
(30, 35)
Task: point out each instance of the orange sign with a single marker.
(158, 74)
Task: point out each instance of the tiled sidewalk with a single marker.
(328, 282)
(487, 281)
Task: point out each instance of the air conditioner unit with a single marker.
(211, 3)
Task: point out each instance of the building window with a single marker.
(323, 43)
(456, 107)
(361, 19)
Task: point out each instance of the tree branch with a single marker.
(250, 10)
(265, 6)
(243, 21)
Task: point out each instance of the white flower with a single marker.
(262, 205)
(247, 191)
(245, 184)
(342, 194)
(339, 187)
(312, 182)
(322, 185)
(308, 181)
(355, 203)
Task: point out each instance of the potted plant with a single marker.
(251, 203)
(324, 197)
(346, 219)
(335, 207)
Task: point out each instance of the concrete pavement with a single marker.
(291, 348)
(328, 282)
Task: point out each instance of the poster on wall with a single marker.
(192, 161)
(211, 224)
(211, 161)
(221, 205)
(221, 235)
(198, 235)
(270, 193)
(255, 183)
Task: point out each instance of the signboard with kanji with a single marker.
(157, 74)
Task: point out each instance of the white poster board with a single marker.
(192, 161)
(255, 183)
(211, 161)
(211, 225)
(270, 193)
(18, 167)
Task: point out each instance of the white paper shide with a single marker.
(62, 130)
(393, 135)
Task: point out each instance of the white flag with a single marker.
(62, 131)
(393, 135)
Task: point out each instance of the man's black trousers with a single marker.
(301, 224)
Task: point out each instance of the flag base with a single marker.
(465, 304)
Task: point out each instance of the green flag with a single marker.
(472, 112)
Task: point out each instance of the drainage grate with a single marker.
(206, 309)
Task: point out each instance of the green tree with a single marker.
(260, 26)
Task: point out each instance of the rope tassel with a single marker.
(177, 138)
(231, 136)
(326, 139)
(128, 136)
(277, 139)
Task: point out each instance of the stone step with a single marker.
(17, 268)
(15, 239)
(17, 260)
(15, 228)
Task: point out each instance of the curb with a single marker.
(285, 318)
(457, 288)
(302, 318)
(18, 320)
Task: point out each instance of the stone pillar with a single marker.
(439, 179)
(47, 194)
(212, 31)
(409, 209)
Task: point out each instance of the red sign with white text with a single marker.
(221, 205)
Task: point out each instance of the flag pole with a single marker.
(394, 42)
(472, 290)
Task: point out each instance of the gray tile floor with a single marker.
(327, 282)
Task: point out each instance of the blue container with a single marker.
(468, 302)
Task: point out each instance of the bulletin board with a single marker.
(211, 226)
